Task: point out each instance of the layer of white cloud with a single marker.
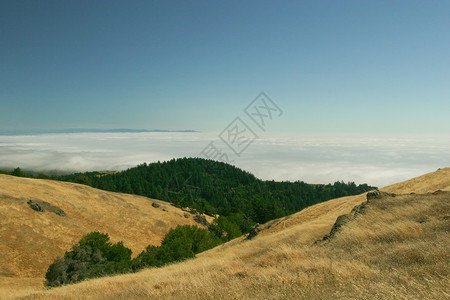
(316, 159)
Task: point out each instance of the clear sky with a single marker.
(332, 66)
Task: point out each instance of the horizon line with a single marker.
(89, 130)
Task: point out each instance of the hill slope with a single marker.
(438, 180)
(31, 240)
(397, 249)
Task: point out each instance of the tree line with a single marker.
(217, 188)
(214, 188)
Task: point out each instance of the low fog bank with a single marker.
(377, 161)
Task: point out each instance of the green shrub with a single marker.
(193, 238)
(225, 228)
(93, 256)
(180, 243)
(150, 257)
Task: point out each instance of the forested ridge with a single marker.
(213, 187)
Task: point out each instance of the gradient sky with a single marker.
(332, 66)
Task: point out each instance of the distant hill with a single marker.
(87, 130)
(396, 249)
(30, 240)
(215, 187)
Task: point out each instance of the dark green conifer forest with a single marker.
(217, 188)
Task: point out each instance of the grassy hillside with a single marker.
(31, 240)
(438, 180)
(397, 249)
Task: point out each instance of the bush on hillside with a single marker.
(93, 256)
(226, 228)
(180, 243)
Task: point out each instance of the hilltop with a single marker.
(396, 249)
(31, 239)
(216, 187)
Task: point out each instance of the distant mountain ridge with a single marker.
(89, 130)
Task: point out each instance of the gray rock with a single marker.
(374, 195)
(60, 212)
(343, 220)
(254, 231)
(156, 205)
(377, 194)
(201, 220)
(340, 221)
(35, 206)
(360, 209)
(43, 206)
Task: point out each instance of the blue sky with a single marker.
(332, 66)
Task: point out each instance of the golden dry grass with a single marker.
(31, 240)
(438, 180)
(397, 249)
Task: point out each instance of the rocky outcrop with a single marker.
(35, 206)
(201, 219)
(377, 194)
(254, 231)
(343, 220)
(42, 206)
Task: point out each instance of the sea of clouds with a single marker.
(376, 160)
